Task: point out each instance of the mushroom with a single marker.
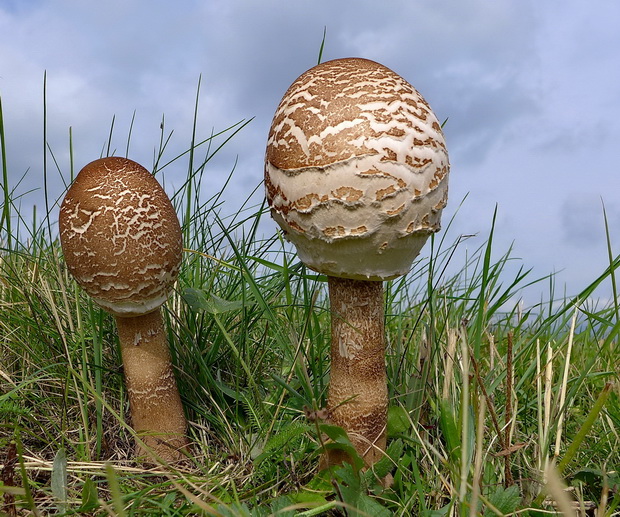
(122, 242)
(356, 176)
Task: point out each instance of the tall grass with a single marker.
(495, 408)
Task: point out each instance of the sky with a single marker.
(530, 90)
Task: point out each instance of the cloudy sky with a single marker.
(530, 88)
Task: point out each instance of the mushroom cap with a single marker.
(356, 170)
(120, 236)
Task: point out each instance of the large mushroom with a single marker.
(122, 242)
(356, 176)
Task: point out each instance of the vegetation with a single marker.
(495, 408)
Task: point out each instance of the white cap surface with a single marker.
(120, 236)
(356, 170)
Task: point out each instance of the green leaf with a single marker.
(385, 465)
(321, 482)
(199, 300)
(284, 436)
(221, 306)
(236, 510)
(339, 440)
(589, 476)
(353, 492)
(196, 299)
(505, 500)
(397, 421)
(346, 475)
(594, 478)
(59, 479)
(268, 264)
(449, 429)
(364, 504)
(279, 504)
(90, 498)
(226, 390)
(290, 389)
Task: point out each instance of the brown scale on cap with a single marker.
(122, 242)
(353, 141)
(356, 175)
(120, 236)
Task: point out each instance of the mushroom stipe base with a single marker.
(358, 398)
(156, 409)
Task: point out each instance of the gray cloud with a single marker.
(582, 218)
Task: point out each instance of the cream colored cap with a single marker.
(120, 236)
(356, 170)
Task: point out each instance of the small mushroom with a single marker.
(356, 176)
(122, 242)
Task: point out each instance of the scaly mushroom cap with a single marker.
(120, 236)
(356, 170)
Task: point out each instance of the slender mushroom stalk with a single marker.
(356, 176)
(122, 242)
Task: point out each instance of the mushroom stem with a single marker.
(358, 398)
(157, 413)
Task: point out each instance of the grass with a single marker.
(495, 408)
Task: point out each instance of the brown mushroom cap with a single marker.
(356, 170)
(120, 236)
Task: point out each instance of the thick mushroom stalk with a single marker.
(121, 240)
(356, 175)
(358, 397)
